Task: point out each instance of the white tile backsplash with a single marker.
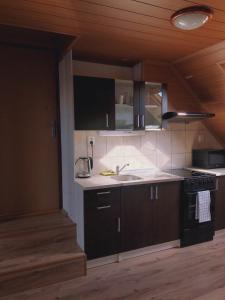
(178, 161)
(163, 149)
(178, 141)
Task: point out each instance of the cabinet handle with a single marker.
(107, 120)
(156, 193)
(143, 120)
(103, 207)
(103, 193)
(216, 184)
(118, 224)
(138, 121)
(151, 192)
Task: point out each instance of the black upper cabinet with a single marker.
(94, 103)
(139, 89)
(150, 102)
(108, 104)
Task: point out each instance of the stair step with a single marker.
(37, 252)
(26, 244)
(34, 223)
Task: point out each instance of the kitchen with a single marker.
(140, 159)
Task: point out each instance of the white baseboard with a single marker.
(131, 254)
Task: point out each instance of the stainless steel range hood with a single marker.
(173, 116)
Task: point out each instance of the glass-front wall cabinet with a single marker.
(124, 110)
(155, 102)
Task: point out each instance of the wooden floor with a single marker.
(196, 272)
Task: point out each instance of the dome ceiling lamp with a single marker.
(192, 17)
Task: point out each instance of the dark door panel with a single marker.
(220, 204)
(94, 103)
(166, 212)
(137, 217)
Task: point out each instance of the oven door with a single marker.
(188, 219)
(193, 232)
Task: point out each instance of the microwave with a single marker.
(208, 158)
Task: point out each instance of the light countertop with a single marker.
(100, 182)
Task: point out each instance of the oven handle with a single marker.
(193, 193)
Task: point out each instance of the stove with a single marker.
(191, 231)
(196, 181)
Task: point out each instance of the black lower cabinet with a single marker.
(102, 222)
(149, 214)
(130, 217)
(136, 217)
(220, 204)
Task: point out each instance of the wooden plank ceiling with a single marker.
(123, 31)
(205, 73)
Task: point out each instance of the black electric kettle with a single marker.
(84, 167)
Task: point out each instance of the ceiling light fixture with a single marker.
(192, 17)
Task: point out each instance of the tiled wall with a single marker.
(164, 149)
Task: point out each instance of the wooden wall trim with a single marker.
(84, 68)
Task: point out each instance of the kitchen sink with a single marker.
(126, 177)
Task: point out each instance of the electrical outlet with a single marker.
(91, 139)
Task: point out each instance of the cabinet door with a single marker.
(139, 122)
(220, 204)
(166, 212)
(153, 104)
(94, 103)
(136, 217)
(124, 98)
(102, 222)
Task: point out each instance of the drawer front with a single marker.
(102, 222)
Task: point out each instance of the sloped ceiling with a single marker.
(205, 73)
(130, 31)
(121, 31)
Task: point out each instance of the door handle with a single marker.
(138, 121)
(103, 207)
(156, 193)
(151, 192)
(107, 120)
(103, 193)
(118, 224)
(143, 120)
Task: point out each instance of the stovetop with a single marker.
(188, 174)
(195, 181)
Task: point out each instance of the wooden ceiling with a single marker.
(205, 73)
(123, 31)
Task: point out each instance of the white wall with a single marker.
(164, 149)
(67, 129)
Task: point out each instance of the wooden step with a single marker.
(34, 258)
(34, 223)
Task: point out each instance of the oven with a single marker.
(193, 232)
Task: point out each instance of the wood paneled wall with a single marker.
(204, 72)
(29, 156)
(180, 96)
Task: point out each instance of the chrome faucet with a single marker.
(118, 169)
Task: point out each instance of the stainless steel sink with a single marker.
(126, 177)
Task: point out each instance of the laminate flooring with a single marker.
(196, 272)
